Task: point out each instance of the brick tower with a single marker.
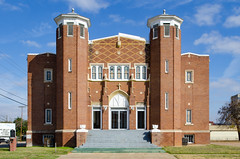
(72, 67)
(165, 97)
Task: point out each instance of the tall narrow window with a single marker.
(144, 72)
(82, 33)
(100, 72)
(155, 31)
(189, 76)
(69, 100)
(138, 72)
(126, 72)
(166, 29)
(94, 72)
(119, 72)
(70, 28)
(69, 65)
(47, 75)
(189, 116)
(112, 72)
(166, 101)
(166, 66)
(60, 31)
(177, 31)
(48, 116)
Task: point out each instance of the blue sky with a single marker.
(209, 27)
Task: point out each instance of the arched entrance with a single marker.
(119, 111)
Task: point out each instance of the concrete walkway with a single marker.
(117, 156)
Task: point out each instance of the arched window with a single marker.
(99, 72)
(119, 72)
(126, 72)
(94, 72)
(144, 74)
(111, 72)
(138, 72)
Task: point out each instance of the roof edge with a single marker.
(190, 53)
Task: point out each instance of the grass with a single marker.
(205, 152)
(34, 152)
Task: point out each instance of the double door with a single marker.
(119, 119)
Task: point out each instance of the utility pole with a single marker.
(21, 121)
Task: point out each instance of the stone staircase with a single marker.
(118, 139)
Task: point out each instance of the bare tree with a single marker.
(230, 115)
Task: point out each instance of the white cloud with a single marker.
(51, 44)
(31, 43)
(88, 5)
(217, 43)
(207, 14)
(119, 19)
(234, 20)
(41, 29)
(8, 6)
(226, 84)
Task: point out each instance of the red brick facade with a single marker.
(147, 91)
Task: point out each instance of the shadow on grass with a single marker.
(4, 149)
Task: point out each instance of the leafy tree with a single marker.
(230, 115)
(17, 121)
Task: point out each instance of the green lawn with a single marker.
(34, 152)
(205, 152)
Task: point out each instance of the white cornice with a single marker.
(121, 35)
(164, 18)
(190, 53)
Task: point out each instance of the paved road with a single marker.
(117, 156)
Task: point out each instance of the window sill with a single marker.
(189, 124)
(59, 37)
(47, 124)
(82, 37)
(189, 82)
(166, 36)
(155, 38)
(69, 35)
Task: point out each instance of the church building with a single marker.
(120, 82)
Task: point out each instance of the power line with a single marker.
(13, 94)
(13, 100)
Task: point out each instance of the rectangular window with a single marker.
(177, 31)
(166, 101)
(82, 33)
(69, 100)
(48, 75)
(70, 28)
(96, 72)
(141, 72)
(112, 74)
(166, 29)
(144, 72)
(119, 72)
(166, 66)
(48, 116)
(189, 76)
(69, 65)
(190, 138)
(126, 72)
(155, 31)
(189, 116)
(60, 31)
(100, 72)
(138, 72)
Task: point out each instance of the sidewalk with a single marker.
(117, 156)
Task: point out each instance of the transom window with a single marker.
(141, 72)
(166, 29)
(48, 75)
(97, 72)
(189, 76)
(119, 72)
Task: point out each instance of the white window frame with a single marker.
(81, 26)
(97, 71)
(115, 67)
(188, 122)
(70, 65)
(48, 122)
(155, 29)
(141, 108)
(192, 76)
(166, 101)
(166, 66)
(188, 136)
(97, 108)
(164, 25)
(177, 31)
(68, 24)
(141, 72)
(47, 136)
(69, 100)
(46, 70)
